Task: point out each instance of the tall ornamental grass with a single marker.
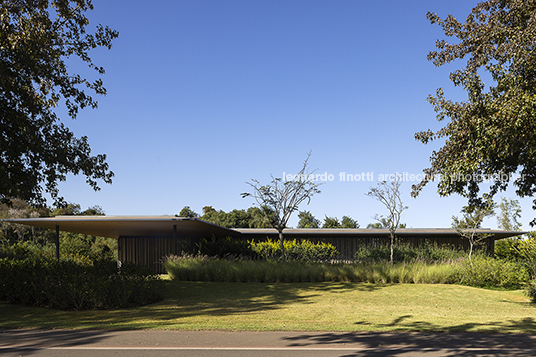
(483, 272)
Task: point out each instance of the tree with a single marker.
(258, 218)
(490, 136)
(307, 220)
(472, 220)
(348, 222)
(388, 193)
(331, 222)
(70, 209)
(94, 211)
(36, 149)
(208, 209)
(383, 223)
(282, 197)
(187, 212)
(376, 225)
(508, 219)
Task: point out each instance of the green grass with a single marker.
(327, 306)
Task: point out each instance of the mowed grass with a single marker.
(302, 307)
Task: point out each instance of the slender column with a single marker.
(175, 239)
(58, 242)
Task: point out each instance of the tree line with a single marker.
(21, 240)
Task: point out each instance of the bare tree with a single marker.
(388, 193)
(283, 196)
(472, 220)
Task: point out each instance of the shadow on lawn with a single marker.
(456, 343)
(404, 323)
(215, 299)
(182, 300)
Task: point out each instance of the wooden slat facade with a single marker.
(151, 251)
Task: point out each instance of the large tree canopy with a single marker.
(490, 137)
(37, 151)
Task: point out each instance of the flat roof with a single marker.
(126, 226)
(162, 226)
(497, 234)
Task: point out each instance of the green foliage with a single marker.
(487, 272)
(331, 222)
(28, 249)
(346, 222)
(37, 38)
(254, 217)
(225, 247)
(67, 285)
(74, 209)
(349, 222)
(527, 249)
(303, 250)
(307, 220)
(376, 225)
(86, 248)
(23, 241)
(488, 136)
(530, 290)
(187, 212)
(510, 215)
(508, 248)
(404, 252)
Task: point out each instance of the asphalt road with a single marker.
(259, 344)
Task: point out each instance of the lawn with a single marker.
(302, 306)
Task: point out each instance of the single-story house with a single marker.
(147, 239)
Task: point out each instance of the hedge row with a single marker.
(303, 250)
(67, 285)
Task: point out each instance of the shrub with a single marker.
(86, 248)
(530, 290)
(303, 250)
(221, 247)
(508, 248)
(405, 252)
(487, 272)
(68, 285)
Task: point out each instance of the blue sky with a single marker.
(206, 95)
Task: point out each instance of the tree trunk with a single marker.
(392, 244)
(281, 242)
(470, 251)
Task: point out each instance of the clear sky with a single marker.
(204, 95)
